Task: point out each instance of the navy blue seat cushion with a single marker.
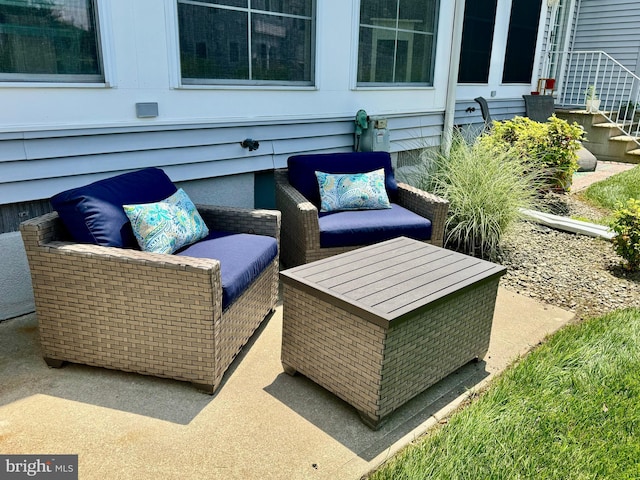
(94, 214)
(243, 257)
(364, 227)
(302, 170)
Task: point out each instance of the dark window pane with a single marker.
(290, 7)
(477, 41)
(416, 16)
(383, 71)
(213, 43)
(49, 38)
(521, 41)
(420, 70)
(365, 55)
(228, 3)
(396, 41)
(379, 12)
(279, 48)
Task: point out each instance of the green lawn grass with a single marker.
(569, 410)
(617, 188)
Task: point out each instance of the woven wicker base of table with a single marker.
(374, 363)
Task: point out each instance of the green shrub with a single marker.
(485, 187)
(549, 147)
(626, 225)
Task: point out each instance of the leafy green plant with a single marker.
(591, 93)
(485, 187)
(626, 225)
(550, 147)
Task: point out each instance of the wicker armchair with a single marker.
(142, 312)
(301, 231)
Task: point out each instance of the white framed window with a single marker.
(521, 41)
(54, 41)
(477, 41)
(397, 40)
(247, 42)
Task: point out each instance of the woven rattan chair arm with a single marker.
(44, 228)
(242, 220)
(45, 234)
(426, 205)
(87, 252)
(298, 213)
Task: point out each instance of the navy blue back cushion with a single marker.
(364, 227)
(302, 170)
(243, 257)
(94, 214)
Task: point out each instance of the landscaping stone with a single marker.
(575, 272)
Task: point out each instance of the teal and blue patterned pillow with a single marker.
(352, 191)
(166, 226)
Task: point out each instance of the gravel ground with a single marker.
(574, 272)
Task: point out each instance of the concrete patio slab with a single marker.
(261, 424)
(604, 169)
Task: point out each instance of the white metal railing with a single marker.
(616, 88)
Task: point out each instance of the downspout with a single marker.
(452, 83)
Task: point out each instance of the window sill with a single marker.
(11, 84)
(203, 86)
(393, 87)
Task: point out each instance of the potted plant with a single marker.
(592, 101)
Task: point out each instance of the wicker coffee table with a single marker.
(379, 325)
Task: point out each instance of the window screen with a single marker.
(397, 41)
(242, 41)
(49, 40)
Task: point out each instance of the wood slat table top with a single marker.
(390, 280)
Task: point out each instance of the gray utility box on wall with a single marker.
(375, 138)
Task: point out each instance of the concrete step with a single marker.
(599, 134)
(618, 146)
(616, 126)
(624, 138)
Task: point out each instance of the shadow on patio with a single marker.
(261, 423)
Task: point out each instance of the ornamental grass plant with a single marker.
(486, 187)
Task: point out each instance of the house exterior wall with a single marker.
(610, 26)
(505, 100)
(495, 89)
(468, 111)
(54, 137)
(59, 136)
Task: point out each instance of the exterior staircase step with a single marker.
(613, 125)
(603, 138)
(624, 138)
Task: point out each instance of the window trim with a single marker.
(179, 82)
(357, 85)
(104, 30)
